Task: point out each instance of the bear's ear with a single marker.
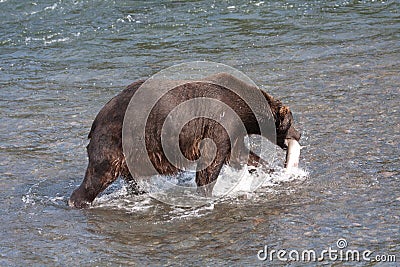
(283, 111)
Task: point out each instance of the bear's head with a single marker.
(285, 127)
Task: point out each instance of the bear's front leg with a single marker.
(207, 173)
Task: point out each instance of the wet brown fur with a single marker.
(107, 160)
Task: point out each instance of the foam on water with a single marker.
(117, 195)
(335, 63)
(181, 213)
(35, 195)
(119, 198)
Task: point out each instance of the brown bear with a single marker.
(107, 160)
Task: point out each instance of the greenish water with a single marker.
(335, 63)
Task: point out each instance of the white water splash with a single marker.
(35, 196)
(119, 198)
(29, 197)
(54, 6)
(117, 195)
(57, 40)
(181, 213)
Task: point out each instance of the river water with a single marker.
(335, 63)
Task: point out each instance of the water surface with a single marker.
(335, 63)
